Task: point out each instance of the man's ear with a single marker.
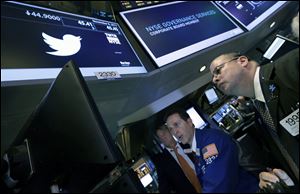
(190, 122)
(243, 60)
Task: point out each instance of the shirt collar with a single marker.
(257, 87)
(171, 149)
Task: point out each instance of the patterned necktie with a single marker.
(261, 108)
(188, 171)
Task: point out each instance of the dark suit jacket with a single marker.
(170, 175)
(280, 85)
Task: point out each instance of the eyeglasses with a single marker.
(217, 69)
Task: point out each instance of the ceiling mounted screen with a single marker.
(250, 13)
(171, 31)
(36, 42)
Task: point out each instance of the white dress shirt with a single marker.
(181, 152)
(257, 87)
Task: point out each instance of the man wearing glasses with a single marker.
(274, 87)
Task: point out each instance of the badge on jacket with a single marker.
(209, 150)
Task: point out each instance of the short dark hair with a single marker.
(161, 128)
(181, 112)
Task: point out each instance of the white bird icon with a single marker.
(67, 46)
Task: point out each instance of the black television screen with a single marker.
(174, 30)
(250, 13)
(67, 127)
(211, 95)
(36, 42)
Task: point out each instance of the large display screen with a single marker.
(250, 13)
(171, 31)
(36, 42)
(126, 5)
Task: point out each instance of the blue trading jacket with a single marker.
(217, 164)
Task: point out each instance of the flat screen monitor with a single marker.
(174, 30)
(36, 42)
(221, 113)
(144, 169)
(126, 5)
(144, 174)
(217, 117)
(279, 47)
(211, 95)
(250, 13)
(196, 118)
(67, 127)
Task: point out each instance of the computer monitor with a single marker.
(144, 175)
(280, 46)
(250, 13)
(197, 119)
(126, 5)
(67, 128)
(36, 42)
(124, 181)
(211, 95)
(67, 125)
(174, 30)
(146, 172)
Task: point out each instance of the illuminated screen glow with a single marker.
(171, 31)
(196, 118)
(146, 180)
(211, 95)
(36, 42)
(279, 47)
(250, 13)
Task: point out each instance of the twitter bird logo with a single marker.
(67, 46)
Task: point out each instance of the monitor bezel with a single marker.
(28, 76)
(209, 97)
(186, 51)
(204, 123)
(260, 18)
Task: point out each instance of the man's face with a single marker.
(181, 129)
(227, 74)
(166, 138)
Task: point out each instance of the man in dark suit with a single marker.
(171, 178)
(274, 87)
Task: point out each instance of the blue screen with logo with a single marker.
(36, 42)
(250, 13)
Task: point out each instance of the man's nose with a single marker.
(176, 131)
(215, 79)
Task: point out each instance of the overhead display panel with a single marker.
(171, 31)
(36, 42)
(250, 13)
